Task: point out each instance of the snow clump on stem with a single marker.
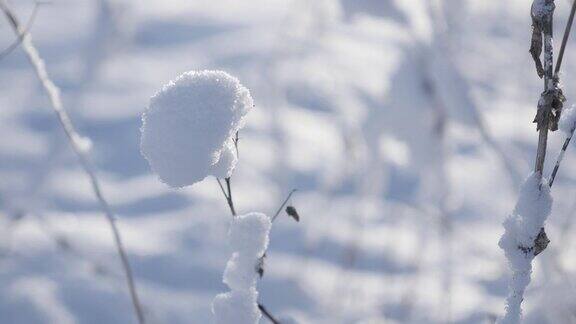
(189, 126)
(248, 237)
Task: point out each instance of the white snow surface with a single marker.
(521, 228)
(248, 238)
(189, 126)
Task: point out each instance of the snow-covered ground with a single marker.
(405, 125)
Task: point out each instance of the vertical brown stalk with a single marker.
(543, 22)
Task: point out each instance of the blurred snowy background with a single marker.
(405, 125)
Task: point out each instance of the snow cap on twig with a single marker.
(189, 127)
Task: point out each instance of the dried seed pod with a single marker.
(549, 109)
(291, 211)
(541, 242)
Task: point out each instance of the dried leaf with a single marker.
(290, 210)
(550, 109)
(536, 46)
(260, 266)
(541, 242)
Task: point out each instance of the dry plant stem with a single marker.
(227, 195)
(556, 72)
(267, 314)
(549, 85)
(561, 156)
(53, 93)
(282, 205)
(565, 38)
(18, 40)
(230, 201)
(541, 154)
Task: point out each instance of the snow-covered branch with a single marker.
(190, 132)
(248, 236)
(524, 238)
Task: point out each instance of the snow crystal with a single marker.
(189, 126)
(248, 237)
(568, 120)
(521, 229)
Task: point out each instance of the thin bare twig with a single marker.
(561, 156)
(222, 188)
(556, 72)
(18, 40)
(230, 201)
(236, 139)
(543, 24)
(227, 194)
(283, 204)
(267, 314)
(565, 38)
(74, 140)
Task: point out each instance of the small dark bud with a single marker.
(291, 211)
(260, 266)
(541, 242)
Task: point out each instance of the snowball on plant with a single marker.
(189, 127)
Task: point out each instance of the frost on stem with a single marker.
(248, 237)
(568, 121)
(567, 124)
(189, 127)
(524, 238)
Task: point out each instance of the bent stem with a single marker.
(282, 205)
(74, 140)
(267, 314)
